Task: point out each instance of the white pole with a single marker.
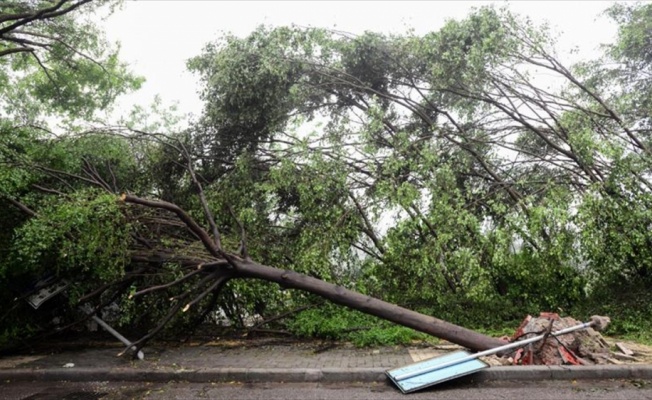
(514, 345)
(115, 333)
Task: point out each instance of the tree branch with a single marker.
(46, 13)
(183, 216)
(219, 282)
(202, 199)
(20, 206)
(15, 50)
(167, 285)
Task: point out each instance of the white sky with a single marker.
(157, 37)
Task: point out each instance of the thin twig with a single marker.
(167, 285)
(221, 280)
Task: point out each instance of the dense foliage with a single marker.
(437, 172)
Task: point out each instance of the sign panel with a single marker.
(436, 375)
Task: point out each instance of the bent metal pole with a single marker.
(495, 350)
(117, 334)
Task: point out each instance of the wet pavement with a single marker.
(194, 356)
(265, 361)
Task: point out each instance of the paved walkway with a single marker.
(295, 362)
(295, 355)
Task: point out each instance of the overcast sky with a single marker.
(157, 37)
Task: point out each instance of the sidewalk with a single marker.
(295, 362)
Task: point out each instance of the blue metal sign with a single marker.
(433, 375)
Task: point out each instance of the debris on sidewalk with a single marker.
(581, 347)
(562, 350)
(494, 360)
(626, 351)
(624, 357)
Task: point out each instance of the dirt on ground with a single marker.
(642, 352)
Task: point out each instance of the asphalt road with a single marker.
(553, 390)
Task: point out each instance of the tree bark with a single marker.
(382, 309)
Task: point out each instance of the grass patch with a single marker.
(337, 323)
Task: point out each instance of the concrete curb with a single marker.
(81, 374)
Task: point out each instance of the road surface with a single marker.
(552, 390)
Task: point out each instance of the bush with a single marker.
(333, 322)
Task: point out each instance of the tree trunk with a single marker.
(391, 312)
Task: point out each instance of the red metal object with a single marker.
(526, 356)
(549, 315)
(521, 357)
(568, 356)
(517, 356)
(519, 331)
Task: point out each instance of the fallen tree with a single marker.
(111, 250)
(207, 267)
(224, 266)
(410, 135)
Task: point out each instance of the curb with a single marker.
(531, 373)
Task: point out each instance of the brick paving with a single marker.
(288, 356)
(295, 355)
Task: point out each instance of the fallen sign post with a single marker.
(460, 363)
(118, 336)
(48, 287)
